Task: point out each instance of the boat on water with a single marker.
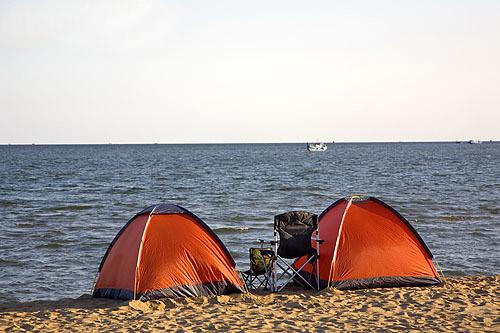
(316, 146)
(474, 142)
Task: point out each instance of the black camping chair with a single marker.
(295, 231)
(261, 264)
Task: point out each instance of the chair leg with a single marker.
(275, 246)
(296, 272)
(290, 275)
(249, 281)
(286, 268)
(267, 275)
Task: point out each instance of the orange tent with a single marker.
(166, 251)
(367, 244)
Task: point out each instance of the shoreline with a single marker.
(463, 303)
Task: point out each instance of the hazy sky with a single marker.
(248, 71)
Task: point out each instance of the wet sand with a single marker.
(463, 304)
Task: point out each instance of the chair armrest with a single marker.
(272, 242)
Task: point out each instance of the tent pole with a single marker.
(93, 283)
(317, 256)
(440, 270)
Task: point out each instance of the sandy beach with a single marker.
(463, 304)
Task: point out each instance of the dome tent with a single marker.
(166, 251)
(368, 244)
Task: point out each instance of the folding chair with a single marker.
(295, 231)
(261, 264)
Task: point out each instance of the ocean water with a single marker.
(60, 206)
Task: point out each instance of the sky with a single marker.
(248, 71)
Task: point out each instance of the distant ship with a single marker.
(316, 146)
(474, 142)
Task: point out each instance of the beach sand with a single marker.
(463, 304)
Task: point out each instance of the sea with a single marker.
(61, 205)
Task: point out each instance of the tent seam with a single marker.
(139, 253)
(335, 251)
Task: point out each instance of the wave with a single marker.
(6, 262)
(478, 233)
(222, 230)
(7, 202)
(69, 208)
(490, 209)
(453, 218)
(25, 225)
(51, 245)
(237, 218)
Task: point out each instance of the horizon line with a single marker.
(235, 143)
